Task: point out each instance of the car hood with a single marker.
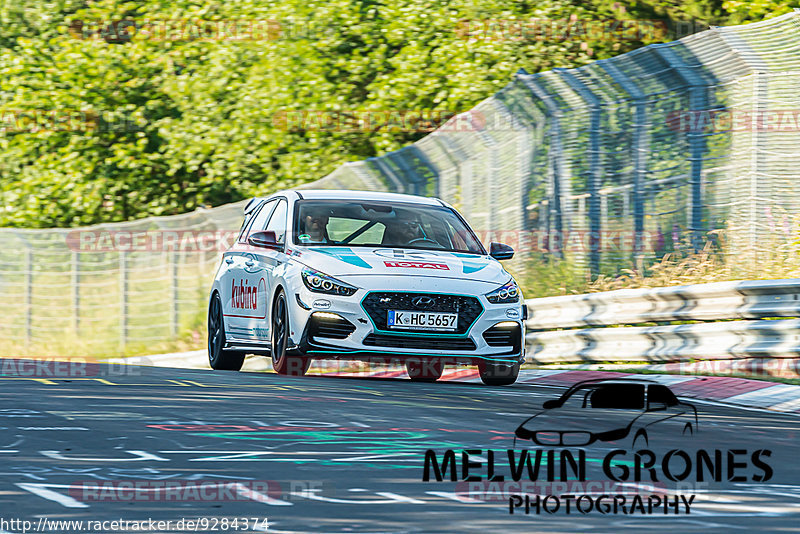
(345, 262)
(592, 420)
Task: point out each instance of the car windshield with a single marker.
(382, 224)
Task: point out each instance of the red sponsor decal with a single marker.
(244, 296)
(417, 265)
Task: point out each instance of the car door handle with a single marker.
(228, 260)
(249, 263)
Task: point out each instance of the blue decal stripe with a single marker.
(468, 264)
(344, 254)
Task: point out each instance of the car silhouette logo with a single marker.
(618, 410)
(423, 302)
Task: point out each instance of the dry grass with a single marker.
(544, 277)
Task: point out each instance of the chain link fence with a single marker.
(628, 158)
(109, 289)
(607, 166)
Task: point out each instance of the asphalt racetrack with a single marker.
(333, 454)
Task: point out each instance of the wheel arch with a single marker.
(641, 431)
(280, 286)
(215, 292)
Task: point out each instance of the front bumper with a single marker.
(350, 332)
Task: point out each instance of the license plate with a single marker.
(415, 320)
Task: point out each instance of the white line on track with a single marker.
(724, 404)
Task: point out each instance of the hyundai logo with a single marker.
(423, 302)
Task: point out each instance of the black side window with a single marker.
(248, 218)
(661, 394)
(257, 221)
(618, 396)
(277, 223)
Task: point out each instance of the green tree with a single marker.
(138, 122)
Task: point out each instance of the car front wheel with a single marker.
(282, 362)
(498, 374)
(218, 358)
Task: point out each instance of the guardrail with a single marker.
(730, 320)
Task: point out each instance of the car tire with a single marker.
(218, 358)
(424, 370)
(494, 374)
(282, 362)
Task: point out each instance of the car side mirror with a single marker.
(265, 239)
(656, 406)
(499, 251)
(552, 403)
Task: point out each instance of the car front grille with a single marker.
(419, 342)
(377, 305)
(569, 438)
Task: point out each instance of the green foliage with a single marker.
(754, 10)
(157, 126)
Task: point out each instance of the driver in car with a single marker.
(315, 225)
(406, 230)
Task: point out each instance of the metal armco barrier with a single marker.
(593, 327)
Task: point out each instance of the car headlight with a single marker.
(505, 294)
(322, 283)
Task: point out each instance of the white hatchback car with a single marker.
(369, 276)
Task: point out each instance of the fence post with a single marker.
(447, 190)
(174, 309)
(28, 295)
(641, 147)
(408, 175)
(387, 171)
(123, 299)
(556, 161)
(757, 160)
(491, 178)
(76, 292)
(698, 102)
(595, 170)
